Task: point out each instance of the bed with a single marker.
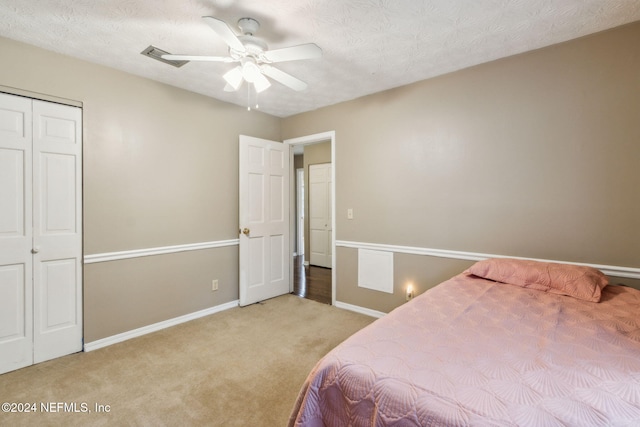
(507, 342)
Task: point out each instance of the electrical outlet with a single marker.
(214, 285)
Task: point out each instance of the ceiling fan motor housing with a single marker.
(253, 45)
(248, 25)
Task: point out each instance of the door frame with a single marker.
(308, 140)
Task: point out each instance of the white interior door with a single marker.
(40, 231)
(57, 230)
(320, 228)
(264, 219)
(16, 315)
(300, 211)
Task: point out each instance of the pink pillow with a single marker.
(577, 281)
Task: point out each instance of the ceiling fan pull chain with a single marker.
(248, 96)
(257, 106)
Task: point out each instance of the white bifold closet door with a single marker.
(40, 231)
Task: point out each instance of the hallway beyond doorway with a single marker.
(311, 282)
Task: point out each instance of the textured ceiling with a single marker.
(368, 45)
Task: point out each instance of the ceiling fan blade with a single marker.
(284, 78)
(225, 33)
(171, 57)
(294, 53)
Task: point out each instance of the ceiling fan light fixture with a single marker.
(250, 71)
(233, 77)
(261, 83)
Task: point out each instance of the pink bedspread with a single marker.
(476, 352)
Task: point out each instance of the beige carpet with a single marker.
(240, 367)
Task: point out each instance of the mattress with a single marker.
(473, 351)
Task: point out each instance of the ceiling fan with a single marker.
(253, 56)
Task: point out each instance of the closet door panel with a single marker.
(12, 193)
(16, 315)
(57, 230)
(57, 195)
(12, 295)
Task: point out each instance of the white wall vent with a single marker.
(375, 270)
(156, 53)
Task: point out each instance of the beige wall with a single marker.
(160, 169)
(534, 155)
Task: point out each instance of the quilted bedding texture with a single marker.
(475, 352)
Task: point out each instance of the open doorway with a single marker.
(308, 280)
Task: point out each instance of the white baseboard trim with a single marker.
(135, 253)
(104, 342)
(361, 310)
(609, 270)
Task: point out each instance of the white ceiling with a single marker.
(368, 45)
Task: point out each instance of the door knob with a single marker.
(35, 250)
(246, 231)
